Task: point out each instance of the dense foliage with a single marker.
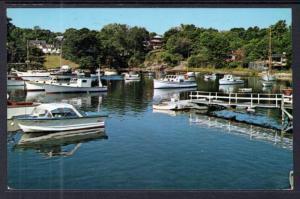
(118, 45)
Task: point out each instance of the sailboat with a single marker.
(269, 77)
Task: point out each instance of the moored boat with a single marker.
(267, 83)
(32, 75)
(230, 79)
(75, 85)
(55, 117)
(176, 81)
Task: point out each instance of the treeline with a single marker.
(119, 46)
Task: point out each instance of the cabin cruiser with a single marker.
(32, 75)
(57, 117)
(230, 79)
(176, 81)
(75, 85)
(39, 85)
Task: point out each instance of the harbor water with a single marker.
(146, 149)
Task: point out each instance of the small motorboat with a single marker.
(230, 79)
(210, 77)
(176, 81)
(56, 117)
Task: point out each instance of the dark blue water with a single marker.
(150, 150)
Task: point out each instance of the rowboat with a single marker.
(55, 117)
(210, 77)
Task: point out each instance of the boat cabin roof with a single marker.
(52, 106)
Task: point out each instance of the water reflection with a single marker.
(230, 88)
(235, 128)
(57, 144)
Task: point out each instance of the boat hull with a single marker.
(55, 125)
(158, 84)
(34, 86)
(268, 78)
(50, 88)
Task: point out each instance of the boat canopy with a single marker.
(55, 110)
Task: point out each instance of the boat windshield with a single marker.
(38, 112)
(63, 112)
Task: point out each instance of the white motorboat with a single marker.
(229, 79)
(210, 77)
(56, 117)
(14, 81)
(132, 76)
(32, 75)
(75, 85)
(176, 81)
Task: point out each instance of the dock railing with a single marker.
(241, 99)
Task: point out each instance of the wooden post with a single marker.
(209, 97)
(216, 95)
(258, 98)
(251, 100)
(229, 98)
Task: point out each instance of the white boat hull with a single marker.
(50, 88)
(15, 82)
(55, 125)
(167, 84)
(34, 86)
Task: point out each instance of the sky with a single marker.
(156, 20)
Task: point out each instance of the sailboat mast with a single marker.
(270, 50)
(27, 57)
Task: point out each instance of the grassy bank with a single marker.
(53, 61)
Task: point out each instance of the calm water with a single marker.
(142, 149)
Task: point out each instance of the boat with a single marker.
(13, 80)
(176, 81)
(64, 73)
(32, 75)
(132, 76)
(57, 117)
(210, 77)
(75, 85)
(269, 76)
(230, 79)
(245, 90)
